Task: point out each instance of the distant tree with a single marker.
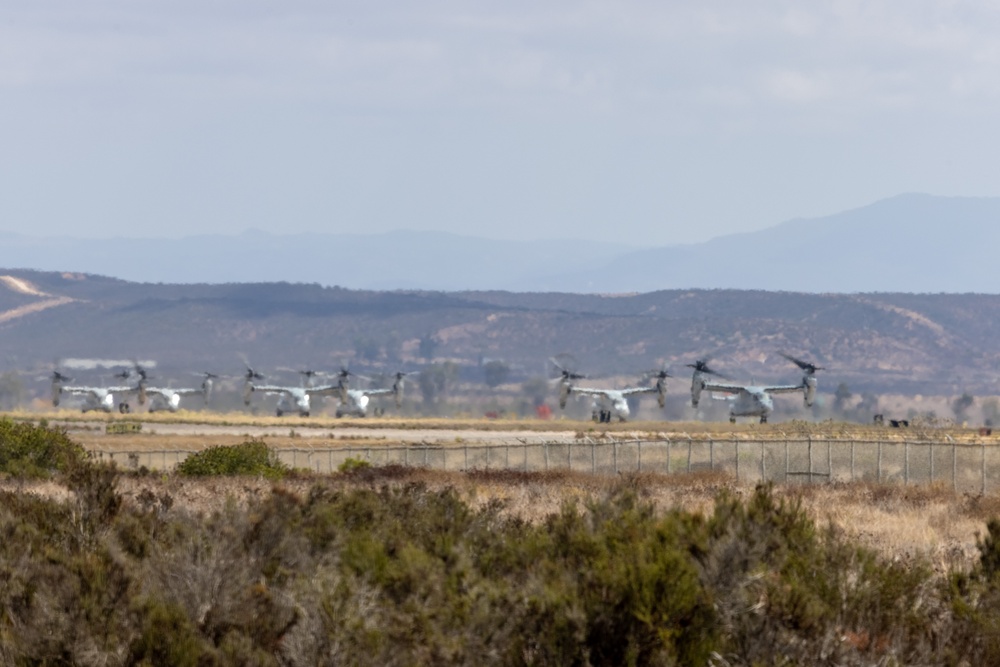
(496, 373)
(367, 348)
(537, 389)
(841, 397)
(867, 408)
(12, 392)
(393, 347)
(434, 381)
(428, 346)
(960, 406)
(991, 411)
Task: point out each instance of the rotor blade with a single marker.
(807, 366)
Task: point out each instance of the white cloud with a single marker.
(671, 96)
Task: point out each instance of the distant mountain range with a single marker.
(910, 243)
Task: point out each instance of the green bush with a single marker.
(249, 458)
(33, 451)
(352, 465)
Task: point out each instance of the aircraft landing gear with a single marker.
(279, 412)
(124, 408)
(732, 419)
(763, 419)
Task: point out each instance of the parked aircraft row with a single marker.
(745, 400)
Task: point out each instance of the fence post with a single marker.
(593, 457)
(506, 455)
(829, 462)
(852, 460)
(525, 445)
(614, 444)
(982, 490)
(763, 465)
(466, 448)
(545, 447)
(668, 456)
(932, 461)
(954, 467)
(689, 453)
(878, 463)
(406, 456)
(639, 445)
(569, 455)
(736, 444)
(906, 462)
(786, 457)
(488, 448)
(810, 475)
(711, 453)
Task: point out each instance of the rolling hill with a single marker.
(902, 343)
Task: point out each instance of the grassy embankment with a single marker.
(413, 567)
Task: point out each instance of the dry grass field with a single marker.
(898, 521)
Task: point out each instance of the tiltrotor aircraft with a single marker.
(608, 403)
(354, 402)
(94, 398)
(169, 398)
(751, 400)
(291, 399)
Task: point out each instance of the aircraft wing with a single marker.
(632, 391)
(275, 389)
(783, 388)
(378, 392)
(179, 392)
(723, 387)
(589, 391)
(325, 390)
(98, 391)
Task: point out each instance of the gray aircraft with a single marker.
(291, 399)
(751, 400)
(94, 398)
(354, 402)
(608, 403)
(169, 398)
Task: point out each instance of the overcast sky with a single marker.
(649, 123)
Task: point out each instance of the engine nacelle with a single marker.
(661, 392)
(564, 390)
(697, 385)
(247, 392)
(397, 390)
(809, 389)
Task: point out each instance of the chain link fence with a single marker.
(965, 467)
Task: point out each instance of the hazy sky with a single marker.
(642, 122)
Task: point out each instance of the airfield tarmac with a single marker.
(194, 431)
